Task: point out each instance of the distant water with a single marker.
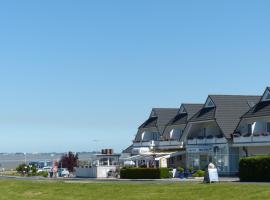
(10, 161)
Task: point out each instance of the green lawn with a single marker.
(25, 190)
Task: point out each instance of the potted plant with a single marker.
(181, 172)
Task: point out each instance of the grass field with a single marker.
(25, 190)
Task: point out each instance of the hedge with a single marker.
(144, 173)
(255, 169)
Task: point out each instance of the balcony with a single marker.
(258, 137)
(170, 144)
(145, 143)
(208, 140)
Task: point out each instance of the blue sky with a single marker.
(82, 75)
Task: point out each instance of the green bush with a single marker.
(27, 170)
(199, 173)
(255, 169)
(144, 173)
(181, 170)
(44, 174)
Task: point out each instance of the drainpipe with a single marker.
(246, 151)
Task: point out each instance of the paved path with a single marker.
(89, 180)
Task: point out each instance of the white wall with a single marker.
(94, 172)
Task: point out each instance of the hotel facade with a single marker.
(222, 130)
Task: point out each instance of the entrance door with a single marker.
(203, 161)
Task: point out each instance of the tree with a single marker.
(24, 169)
(69, 161)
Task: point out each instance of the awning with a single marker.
(171, 155)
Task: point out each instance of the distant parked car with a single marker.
(44, 169)
(63, 172)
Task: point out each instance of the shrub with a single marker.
(255, 169)
(28, 170)
(144, 173)
(191, 169)
(181, 170)
(43, 174)
(199, 173)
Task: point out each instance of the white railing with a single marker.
(145, 143)
(213, 140)
(170, 144)
(252, 138)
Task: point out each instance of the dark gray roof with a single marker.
(151, 122)
(159, 118)
(262, 108)
(192, 109)
(128, 150)
(182, 118)
(227, 111)
(204, 114)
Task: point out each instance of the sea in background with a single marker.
(9, 161)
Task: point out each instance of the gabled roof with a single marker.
(227, 111)
(182, 118)
(150, 122)
(159, 118)
(128, 150)
(262, 108)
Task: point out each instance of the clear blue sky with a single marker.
(81, 75)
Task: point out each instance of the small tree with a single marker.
(24, 169)
(69, 161)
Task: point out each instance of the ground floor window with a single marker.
(218, 155)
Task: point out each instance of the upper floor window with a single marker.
(268, 127)
(249, 128)
(182, 110)
(209, 103)
(266, 96)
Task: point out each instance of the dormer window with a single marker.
(209, 103)
(182, 110)
(153, 114)
(266, 96)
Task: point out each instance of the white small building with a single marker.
(103, 166)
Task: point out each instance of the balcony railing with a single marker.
(159, 144)
(249, 138)
(145, 143)
(213, 140)
(170, 144)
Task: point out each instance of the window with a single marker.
(183, 110)
(209, 103)
(179, 158)
(249, 128)
(204, 132)
(266, 96)
(268, 127)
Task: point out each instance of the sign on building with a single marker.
(163, 163)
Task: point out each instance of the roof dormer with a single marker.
(266, 95)
(209, 103)
(153, 113)
(182, 110)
